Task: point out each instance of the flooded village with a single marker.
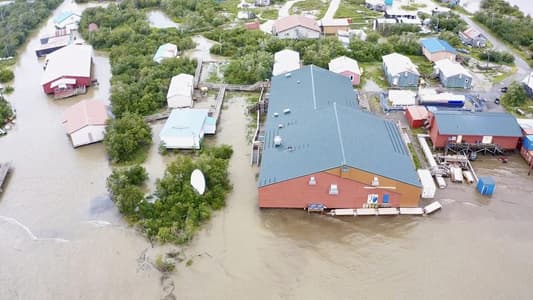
(341, 151)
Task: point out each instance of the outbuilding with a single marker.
(347, 67)
(321, 150)
(50, 43)
(67, 20)
(68, 70)
(401, 98)
(473, 37)
(400, 70)
(528, 84)
(85, 122)
(164, 51)
(180, 91)
(285, 61)
(296, 27)
(436, 49)
(428, 185)
(185, 128)
(474, 128)
(332, 26)
(453, 75)
(416, 116)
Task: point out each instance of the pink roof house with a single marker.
(85, 122)
(296, 27)
(346, 66)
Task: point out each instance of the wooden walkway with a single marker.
(219, 100)
(158, 116)
(198, 72)
(4, 169)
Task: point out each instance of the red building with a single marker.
(320, 148)
(416, 116)
(474, 127)
(67, 69)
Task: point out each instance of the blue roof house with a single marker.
(319, 147)
(67, 20)
(185, 128)
(436, 49)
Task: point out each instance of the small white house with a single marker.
(180, 91)
(285, 61)
(347, 67)
(167, 50)
(67, 20)
(85, 122)
(185, 128)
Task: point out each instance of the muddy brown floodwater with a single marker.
(62, 238)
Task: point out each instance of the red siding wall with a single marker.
(439, 141)
(80, 81)
(297, 193)
(356, 77)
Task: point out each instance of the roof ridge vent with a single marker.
(288, 75)
(286, 110)
(277, 141)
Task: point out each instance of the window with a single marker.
(351, 77)
(333, 189)
(312, 180)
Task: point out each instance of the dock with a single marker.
(4, 170)
(387, 211)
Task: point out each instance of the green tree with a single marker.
(6, 75)
(6, 112)
(126, 137)
(515, 96)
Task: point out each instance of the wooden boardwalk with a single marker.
(219, 100)
(158, 116)
(4, 169)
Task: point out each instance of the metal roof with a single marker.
(397, 64)
(285, 61)
(292, 21)
(343, 63)
(85, 113)
(449, 68)
(167, 50)
(63, 16)
(184, 122)
(72, 60)
(321, 127)
(477, 123)
(436, 45)
(181, 84)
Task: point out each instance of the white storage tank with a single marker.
(428, 185)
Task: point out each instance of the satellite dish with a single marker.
(198, 181)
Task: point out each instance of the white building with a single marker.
(85, 122)
(67, 20)
(180, 91)
(185, 128)
(296, 27)
(402, 98)
(285, 61)
(347, 67)
(167, 50)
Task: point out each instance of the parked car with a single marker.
(497, 101)
(503, 89)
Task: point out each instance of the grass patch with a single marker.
(413, 7)
(318, 7)
(527, 108)
(501, 77)
(356, 10)
(270, 14)
(416, 160)
(374, 72)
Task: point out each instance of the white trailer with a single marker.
(428, 185)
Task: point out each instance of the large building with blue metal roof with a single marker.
(495, 128)
(436, 49)
(319, 147)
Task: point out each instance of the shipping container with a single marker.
(528, 142)
(486, 185)
(428, 185)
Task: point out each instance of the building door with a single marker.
(487, 139)
(459, 139)
(386, 199)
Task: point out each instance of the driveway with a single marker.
(332, 9)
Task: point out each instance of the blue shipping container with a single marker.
(486, 185)
(528, 142)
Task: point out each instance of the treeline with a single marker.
(252, 52)
(139, 85)
(497, 56)
(508, 22)
(18, 19)
(176, 210)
